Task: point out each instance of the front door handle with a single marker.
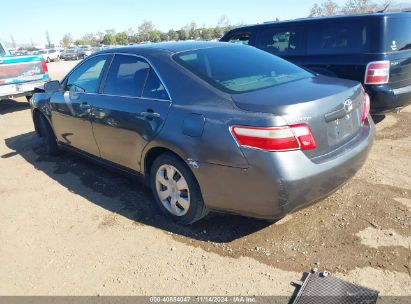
(150, 114)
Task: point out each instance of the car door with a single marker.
(71, 107)
(133, 106)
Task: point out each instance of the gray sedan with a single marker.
(211, 126)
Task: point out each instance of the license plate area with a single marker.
(7, 89)
(342, 129)
(25, 87)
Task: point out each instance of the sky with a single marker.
(28, 20)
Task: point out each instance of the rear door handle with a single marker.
(150, 115)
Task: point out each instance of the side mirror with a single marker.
(52, 86)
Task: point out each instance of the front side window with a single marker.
(339, 38)
(127, 76)
(280, 42)
(237, 69)
(86, 77)
(243, 38)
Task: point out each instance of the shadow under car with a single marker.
(125, 195)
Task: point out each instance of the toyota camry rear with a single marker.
(302, 135)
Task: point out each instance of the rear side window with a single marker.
(86, 77)
(127, 76)
(398, 34)
(280, 41)
(338, 38)
(154, 88)
(237, 69)
(242, 38)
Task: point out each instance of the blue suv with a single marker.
(374, 49)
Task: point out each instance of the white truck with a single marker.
(20, 75)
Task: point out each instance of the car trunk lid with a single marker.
(331, 108)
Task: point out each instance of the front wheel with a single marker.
(176, 190)
(48, 60)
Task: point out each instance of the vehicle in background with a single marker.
(96, 49)
(84, 51)
(70, 54)
(20, 53)
(374, 49)
(33, 52)
(212, 126)
(50, 55)
(20, 75)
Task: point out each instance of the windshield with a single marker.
(239, 69)
(398, 34)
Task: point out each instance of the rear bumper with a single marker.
(9, 91)
(277, 183)
(384, 99)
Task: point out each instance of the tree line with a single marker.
(147, 32)
(331, 8)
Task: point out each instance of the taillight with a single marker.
(293, 137)
(377, 72)
(365, 107)
(44, 65)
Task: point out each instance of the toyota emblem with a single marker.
(348, 105)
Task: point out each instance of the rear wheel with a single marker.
(176, 190)
(47, 134)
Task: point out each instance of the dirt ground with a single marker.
(70, 227)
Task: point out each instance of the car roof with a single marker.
(170, 47)
(328, 18)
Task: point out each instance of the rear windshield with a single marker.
(240, 69)
(398, 34)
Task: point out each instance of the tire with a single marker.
(48, 60)
(193, 208)
(49, 139)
